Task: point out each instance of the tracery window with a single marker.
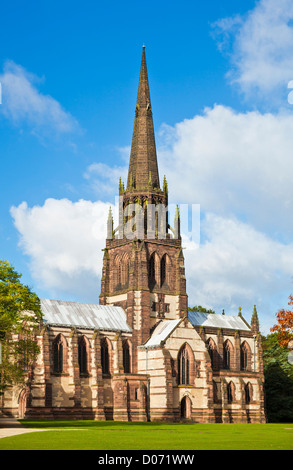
(121, 272)
(58, 355)
(227, 350)
(244, 353)
(184, 367)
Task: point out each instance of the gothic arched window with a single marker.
(59, 346)
(105, 356)
(215, 392)
(126, 357)
(227, 352)
(244, 354)
(248, 392)
(165, 270)
(183, 367)
(212, 349)
(124, 271)
(154, 270)
(83, 355)
(230, 392)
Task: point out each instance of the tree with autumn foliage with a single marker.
(284, 327)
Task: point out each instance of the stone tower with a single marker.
(143, 265)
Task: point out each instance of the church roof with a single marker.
(217, 320)
(161, 332)
(82, 315)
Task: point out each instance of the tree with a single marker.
(20, 314)
(278, 374)
(199, 308)
(284, 327)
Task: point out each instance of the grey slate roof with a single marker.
(161, 332)
(81, 315)
(217, 321)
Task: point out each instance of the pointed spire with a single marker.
(143, 157)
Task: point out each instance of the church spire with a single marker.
(143, 166)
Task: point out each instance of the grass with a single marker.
(110, 435)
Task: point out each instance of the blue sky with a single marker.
(219, 74)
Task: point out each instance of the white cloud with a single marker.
(236, 266)
(262, 54)
(24, 105)
(63, 240)
(233, 163)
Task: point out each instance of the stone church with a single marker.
(140, 354)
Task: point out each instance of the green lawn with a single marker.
(109, 435)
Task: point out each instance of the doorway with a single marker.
(185, 411)
(22, 402)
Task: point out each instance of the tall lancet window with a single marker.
(83, 355)
(126, 357)
(105, 359)
(58, 352)
(154, 270)
(183, 367)
(227, 355)
(244, 350)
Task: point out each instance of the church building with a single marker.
(140, 354)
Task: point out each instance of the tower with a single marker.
(143, 264)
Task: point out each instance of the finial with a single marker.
(165, 185)
(239, 313)
(223, 312)
(254, 320)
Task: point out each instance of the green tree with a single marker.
(20, 315)
(278, 374)
(199, 308)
